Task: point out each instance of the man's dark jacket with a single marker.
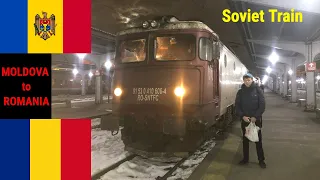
(250, 102)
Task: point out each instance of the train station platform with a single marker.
(291, 142)
(82, 110)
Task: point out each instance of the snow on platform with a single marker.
(105, 149)
(80, 100)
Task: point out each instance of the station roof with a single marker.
(112, 16)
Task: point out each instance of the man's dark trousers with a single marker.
(246, 141)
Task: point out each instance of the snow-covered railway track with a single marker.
(95, 126)
(97, 175)
(174, 168)
(136, 167)
(109, 149)
(104, 171)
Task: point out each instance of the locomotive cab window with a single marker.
(175, 47)
(206, 49)
(132, 50)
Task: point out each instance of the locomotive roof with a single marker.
(171, 26)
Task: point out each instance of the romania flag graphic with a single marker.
(48, 149)
(53, 26)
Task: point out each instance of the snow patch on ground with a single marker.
(105, 149)
(95, 122)
(140, 168)
(186, 169)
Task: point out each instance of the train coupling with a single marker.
(174, 126)
(110, 123)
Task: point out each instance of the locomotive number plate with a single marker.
(148, 94)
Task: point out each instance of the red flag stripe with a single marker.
(77, 26)
(75, 149)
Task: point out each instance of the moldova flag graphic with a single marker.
(52, 26)
(48, 149)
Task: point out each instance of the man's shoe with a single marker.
(262, 164)
(243, 162)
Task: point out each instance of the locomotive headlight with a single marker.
(179, 91)
(145, 24)
(154, 24)
(117, 92)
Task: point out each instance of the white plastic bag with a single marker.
(252, 132)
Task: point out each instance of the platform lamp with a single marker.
(108, 64)
(90, 74)
(75, 71)
(268, 70)
(81, 56)
(273, 58)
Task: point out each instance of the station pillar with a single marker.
(275, 84)
(98, 88)
(83, 85)
(281, 84)
(294, 88)
(310, 82)
(285, 81)
(268, 83)
(310, 91)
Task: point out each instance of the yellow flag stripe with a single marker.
(54, 44)
(45, 149)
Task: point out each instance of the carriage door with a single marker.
(215, 71)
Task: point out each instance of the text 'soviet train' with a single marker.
(173, 81)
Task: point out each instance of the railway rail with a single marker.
(97, 175)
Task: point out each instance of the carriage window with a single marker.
(205, 49)
(133, 50)
(175, 47)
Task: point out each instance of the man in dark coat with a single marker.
(250, 105)
(262, 87)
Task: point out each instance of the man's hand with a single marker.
(246, 119)
(253, 119)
